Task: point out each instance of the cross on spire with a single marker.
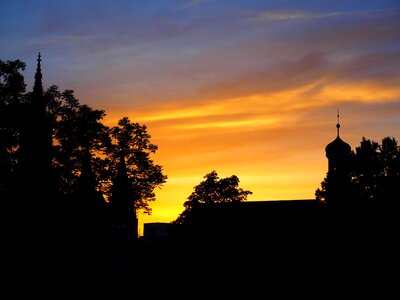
(338, 124)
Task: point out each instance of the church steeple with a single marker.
(338, 180)
(337, 151)
(38, 87)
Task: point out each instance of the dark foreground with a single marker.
(348, 245)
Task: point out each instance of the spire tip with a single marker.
(338, 123)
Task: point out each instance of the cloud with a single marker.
(269, 16)
(274, 16)
(192, 3)
(64, 39)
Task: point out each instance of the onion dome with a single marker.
(338, 146)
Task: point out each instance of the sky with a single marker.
(243, 87)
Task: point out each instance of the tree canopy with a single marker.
(84, 154)
(136, 175)
(211, 191)
(372, 177)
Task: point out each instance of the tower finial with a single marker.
(338, 124)
(38, 87)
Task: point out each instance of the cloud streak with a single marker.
(193, 3)
(274, 16)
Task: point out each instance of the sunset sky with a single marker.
(246, 88)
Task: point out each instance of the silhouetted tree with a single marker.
(12, 83)
(337, 188)
(26, 142)
(377, 171)
(12, 94)
(372, 177)
(30, 191)
(57, 160)
(366, 170)
(211, 191)
(391, 170)
(136, 175)
(81, 141)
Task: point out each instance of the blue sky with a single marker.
(87, 36)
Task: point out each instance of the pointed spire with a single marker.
(338, 124)
(38, 87)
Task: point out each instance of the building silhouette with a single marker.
(279, 221)
(338, 180)
(337, 151)
(35, 186)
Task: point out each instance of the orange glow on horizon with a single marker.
(273, 141)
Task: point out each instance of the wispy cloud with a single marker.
(193, 3)
(73, 38)
(274, 16)
(270, 16)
